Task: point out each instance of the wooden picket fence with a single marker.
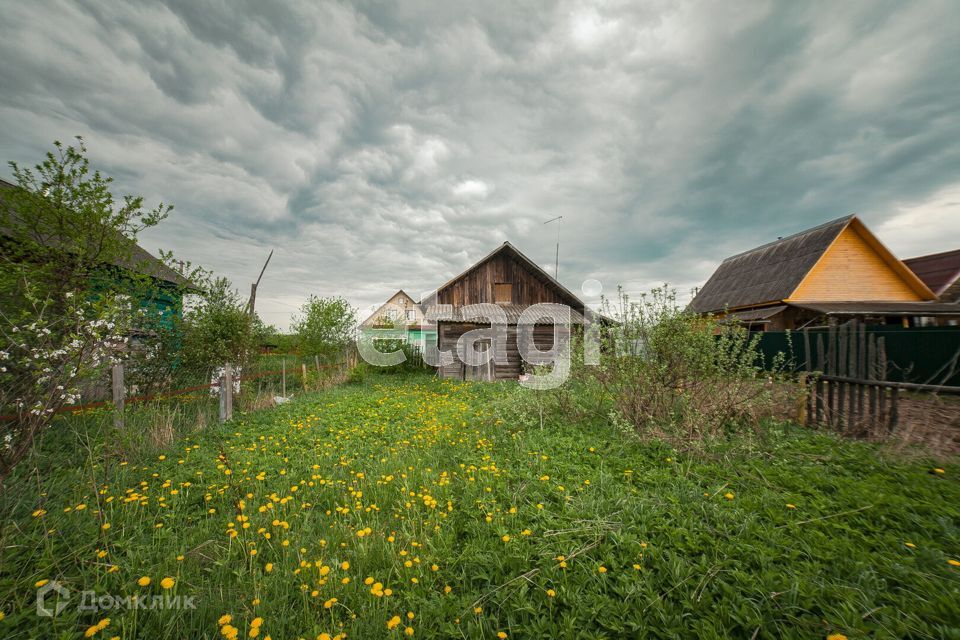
(849, 391)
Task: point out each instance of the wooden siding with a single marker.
(477, 285)
(852, 269)
(449, 333)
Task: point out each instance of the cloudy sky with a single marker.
(380, 145)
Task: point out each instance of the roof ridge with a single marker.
(508, 245)
(932, 255)
(804, 232)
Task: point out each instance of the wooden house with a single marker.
(506, 282)
(163, 297)
(835, 270)
(400, 311)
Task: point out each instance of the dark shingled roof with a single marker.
(134, 258)
(940, 272)
(769, 273)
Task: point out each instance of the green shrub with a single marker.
(665, 372)
(357, 374)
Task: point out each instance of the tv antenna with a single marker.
(556, 265)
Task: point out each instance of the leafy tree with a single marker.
(217, 328)
(63, 239)
(325, 327)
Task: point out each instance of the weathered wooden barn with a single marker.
(505, 283)
(836, 270)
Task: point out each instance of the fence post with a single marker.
(118, 396)
(303, 368)
(316, 361)
(283, 384)
(226, 394)
(803, 406)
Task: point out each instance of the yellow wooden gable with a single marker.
(856, 266)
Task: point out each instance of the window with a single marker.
(503, 293)
(411, 315)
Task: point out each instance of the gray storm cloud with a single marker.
(378, 147)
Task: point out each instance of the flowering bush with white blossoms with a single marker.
(45, 360)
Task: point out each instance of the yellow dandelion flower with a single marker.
(393, 622)
(602, 569)
(224, 619)
(167, 583)
(551, 593)
(144, 581)
(728, 495)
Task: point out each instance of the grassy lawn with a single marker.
(404, 507)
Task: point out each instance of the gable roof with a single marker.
(512, 251)
(940, 272)
(377, 314)
(135, 258)
(770, 273)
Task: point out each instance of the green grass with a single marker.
(433, 480)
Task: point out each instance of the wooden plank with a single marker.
(819, 403)
(226, 394)
(821, 358)
(841, 408)
(119, 396)
(894, 409)
(907, 386)
(830, 403)
(842, 351)
(831, 349)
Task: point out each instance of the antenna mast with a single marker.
(556, 266)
